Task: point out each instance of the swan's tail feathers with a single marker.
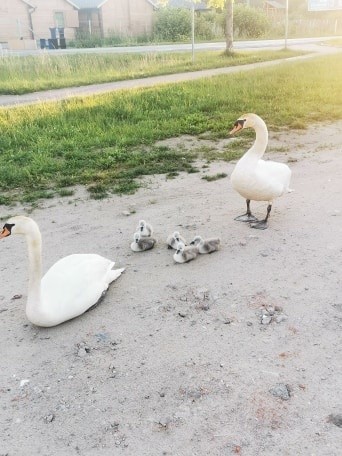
(114, 274)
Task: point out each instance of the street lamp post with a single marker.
(286, 22)
(193, 32)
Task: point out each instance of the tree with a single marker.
(228, 4)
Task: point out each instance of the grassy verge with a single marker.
(33, 73)
(334, 42)
(106, 142)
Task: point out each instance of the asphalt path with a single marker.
(314, 48)
(217, 46)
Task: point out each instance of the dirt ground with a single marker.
(238, 352)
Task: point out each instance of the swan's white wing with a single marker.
(278, 175)
(263, 182)
(75, 283)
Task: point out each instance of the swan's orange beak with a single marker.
(4, 233)
(237, 126)
(235, 129)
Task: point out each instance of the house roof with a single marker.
(154, 4)
(275, 4)
(187, 4)
(88, 4)
(28, 3)
(95, 4)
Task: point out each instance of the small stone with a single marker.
(162, 394)
(182, 314)
(278, 308)
(83, 349)
(280, 318)
(126, 213)
(270, 310)
(16, 296)
(115, 426)
(164, 422)
(81, 352)
(49, 418)
(281, 390)
(266, 319)
(249, 323)
(335, 419)
(205, 306)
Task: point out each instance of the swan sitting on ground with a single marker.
(140, 243)
(256, 179)
(145, 229)
(206, 245)
(184, 254)
(173, 239)
(70, 287)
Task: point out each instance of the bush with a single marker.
(250, 22)
(172, 24)
(208, 26)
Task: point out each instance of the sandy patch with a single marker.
(176, 360)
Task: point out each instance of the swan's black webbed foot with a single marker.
(259, 225)
(262, 224)
(246, 218)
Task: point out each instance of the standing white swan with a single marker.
(256, 179)
(69, 288)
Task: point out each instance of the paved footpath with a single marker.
(313, 50)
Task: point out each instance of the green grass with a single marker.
(214, 177)
(107, 142)
(33, 73)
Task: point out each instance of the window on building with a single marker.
(59, 19)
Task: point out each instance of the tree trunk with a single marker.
(229, 27)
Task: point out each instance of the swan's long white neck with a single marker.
(34, 244)
(261, 139)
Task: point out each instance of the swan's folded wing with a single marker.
(75, 283)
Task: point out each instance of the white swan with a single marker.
(256, 179)
(69, 288)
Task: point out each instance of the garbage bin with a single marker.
(53, 43)
(42, 42)
(53, 32)
(62, 43)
